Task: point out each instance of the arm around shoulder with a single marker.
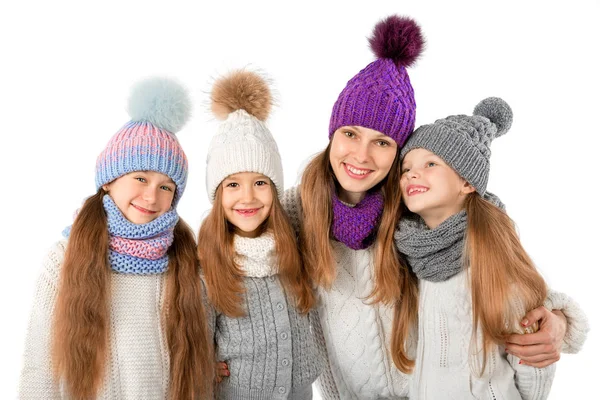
(577, 322)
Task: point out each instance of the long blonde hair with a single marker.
(82, 322)
(224, 277)
(394, 284)
(500, 272)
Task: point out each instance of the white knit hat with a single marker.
(243, 142)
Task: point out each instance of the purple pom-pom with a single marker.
(397, 38)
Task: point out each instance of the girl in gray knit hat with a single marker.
(260, 296)
(476, 280)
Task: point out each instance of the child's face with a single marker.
(142, 196)
(247, 200)
(431, 188)
(360, 159)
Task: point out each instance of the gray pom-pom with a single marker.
(497, 111)
(163, 102)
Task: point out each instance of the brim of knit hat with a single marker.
(243, 156)
(456, 150)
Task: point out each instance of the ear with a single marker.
(106, 187)
(467, 188)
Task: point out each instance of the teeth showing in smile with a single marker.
(418, 190)
(357, 171)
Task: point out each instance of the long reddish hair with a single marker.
(500, 271)
(224, 277)
(82, 320)
(394, 284)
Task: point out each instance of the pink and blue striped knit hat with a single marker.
(158, 108)
(381, 97)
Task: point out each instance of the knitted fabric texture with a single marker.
(256, 256)
(356, 226)
(355, 332)
(137, 361)
(159, 108)
(435, 254)
(242, 143)
(271, 351)
(380, 96)
(137, 249)
(463, 142)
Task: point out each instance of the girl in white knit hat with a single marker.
(259, 292)
(118, 311)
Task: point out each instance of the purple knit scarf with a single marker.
(356, 226)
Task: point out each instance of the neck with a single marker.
(350, 197)
(433, 218)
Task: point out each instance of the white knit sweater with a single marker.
(138, 362)
(448, 362)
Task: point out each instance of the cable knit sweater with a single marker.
(448, 363)
(138, 359)
(357, 334)
(270, 352)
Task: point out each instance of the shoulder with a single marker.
(54, 259)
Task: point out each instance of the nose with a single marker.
(247, 193)
(362, 152)
(149, 194)
(412, 173)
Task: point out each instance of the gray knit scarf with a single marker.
(435, 255)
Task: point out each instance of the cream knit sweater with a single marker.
(138, 363)
(448, 362)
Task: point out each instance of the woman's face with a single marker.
(360, 159)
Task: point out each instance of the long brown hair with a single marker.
(222, 274)
(394, 282)
(81, 323)
(500, 270)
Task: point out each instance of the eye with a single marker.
(349, 134)
(261, 183)
(404, 170)
(166, 188)
(431, 164)
(140, 179)
(382, 143)
(232, 185)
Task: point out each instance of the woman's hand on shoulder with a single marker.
(543, 347)
(222, 371)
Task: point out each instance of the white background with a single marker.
(67, 68)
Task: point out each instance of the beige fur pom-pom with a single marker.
(241, 90)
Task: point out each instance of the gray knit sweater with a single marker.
(270, 352)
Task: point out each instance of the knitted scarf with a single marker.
(256, 256)
(435, 255)
(356, 226)
(137, 249)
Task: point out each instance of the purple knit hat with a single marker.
(380, 97)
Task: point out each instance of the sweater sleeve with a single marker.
(577, 322)
(325, 382)
(37, 380)
(292, 205)
(533, 383)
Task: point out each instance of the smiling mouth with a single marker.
(143, 210)
(356, 173)
(247, 212)
(414, 190)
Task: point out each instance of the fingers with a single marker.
(539, 337)
(542, 364)
(535, 315)
(222, 371)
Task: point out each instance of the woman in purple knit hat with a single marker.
(347, 208)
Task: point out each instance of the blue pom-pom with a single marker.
(163, 102)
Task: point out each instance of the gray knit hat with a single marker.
(464, 141)
(243, 142)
